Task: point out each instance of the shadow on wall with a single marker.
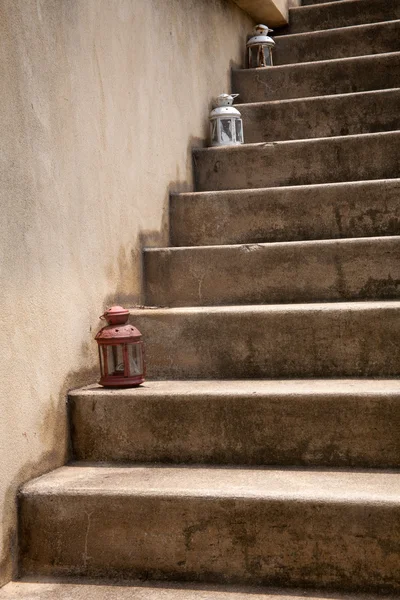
(127, 270)
(54, 434)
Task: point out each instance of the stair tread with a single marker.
(288, 188)
(322, 32)
(264, 483)
(258, 387)
(85, 589)
(316, 99)
(316, 140)
(318, 63)
(100, 589)
(262, 308)
(290, 243)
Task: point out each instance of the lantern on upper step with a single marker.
(121, 351)
(226, 123)
(260, 47)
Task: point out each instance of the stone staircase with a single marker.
(265, 449)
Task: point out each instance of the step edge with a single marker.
(318, 63)
(350, 28)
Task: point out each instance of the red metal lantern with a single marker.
(121, 351)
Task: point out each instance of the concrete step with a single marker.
(289, 527)
(304, 162)
(282, 272)
(342, 14)
(336, 210)
(321, 116)
(347, 339)
(89, 589)
(257, 422)
(343, 42)
(319, 78)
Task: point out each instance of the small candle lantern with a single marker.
(226, 122)
(120, 351)
(259, 48)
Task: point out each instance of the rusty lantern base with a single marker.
(114, 381)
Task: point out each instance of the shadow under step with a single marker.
(347, 339)
(343, 42)
(303, 162)
(321, 116)
(319, 78)
(327, 211)
(250, 422)
(341, 14)
(288, 527)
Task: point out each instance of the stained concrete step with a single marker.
(282, 272)
(89, 589)
(318, 78)
(335, 210)
(341, 14)
(343, 42)
(257, 422)
(348, 339)
(289, 527)
(304, 162)
(321, 116)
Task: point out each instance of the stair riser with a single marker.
(308, 430)
(289, 273)
(318, 78)
(328, 160)
(312, 18)
(376, 38)
(321, 117)
(212, 539)
(245, 344)
(284, 214)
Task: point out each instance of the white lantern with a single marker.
(226, 122)
(259, 48)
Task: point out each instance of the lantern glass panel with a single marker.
(226, 130)
(115, 360)
(135, 359)
(214, 131)
(239, 131)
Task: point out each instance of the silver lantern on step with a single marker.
(260, 47)
(226, 123)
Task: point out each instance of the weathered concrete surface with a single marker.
(321, 116)
(325, 211)
(256, 526)
(304, 162)
(319, 78)
(355, 209)
(89, 589)
(312, 271)
(343, 42)
(86, 168)
(257, 422)
(279, 341)
(342, 14)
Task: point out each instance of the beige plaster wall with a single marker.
(101, 101)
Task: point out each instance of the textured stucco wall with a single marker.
(101, 101)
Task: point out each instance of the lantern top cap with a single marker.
(226, 99)
(116, 315)
(262, 30)
(260, 36)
